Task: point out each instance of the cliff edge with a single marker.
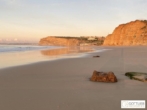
(71, 41)
(59, 41)
(132, 33)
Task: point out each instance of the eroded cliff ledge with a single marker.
(71, 41)
(59, 41)
(132, 33)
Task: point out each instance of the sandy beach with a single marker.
(64, 84)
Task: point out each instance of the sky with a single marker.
(31, 20)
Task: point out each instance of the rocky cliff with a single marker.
(70, 41)
(132, 33)
(60, 41)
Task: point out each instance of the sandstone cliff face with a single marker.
(132, 33)
(59, 41)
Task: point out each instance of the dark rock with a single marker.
(96, 56)
(103, 77)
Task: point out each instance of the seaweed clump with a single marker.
(137, 76)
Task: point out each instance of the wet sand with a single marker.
(17, 58)
(64, 84)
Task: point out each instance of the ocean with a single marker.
(19, 48)
(17, 55)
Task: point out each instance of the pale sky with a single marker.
(35, 19)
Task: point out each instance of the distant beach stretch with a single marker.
(64, 84)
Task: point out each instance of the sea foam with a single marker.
(16, 48)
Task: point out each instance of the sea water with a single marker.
(18, 48)
(15, 55)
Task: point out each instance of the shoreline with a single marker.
(64, 84)
(36, 56)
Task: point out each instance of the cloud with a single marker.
(11, 2)
(15, 39)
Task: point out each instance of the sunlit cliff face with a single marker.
(132, 33)
(59, 41)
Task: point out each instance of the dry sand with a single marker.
(64, 84)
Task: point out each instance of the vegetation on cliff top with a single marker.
(83, 40)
